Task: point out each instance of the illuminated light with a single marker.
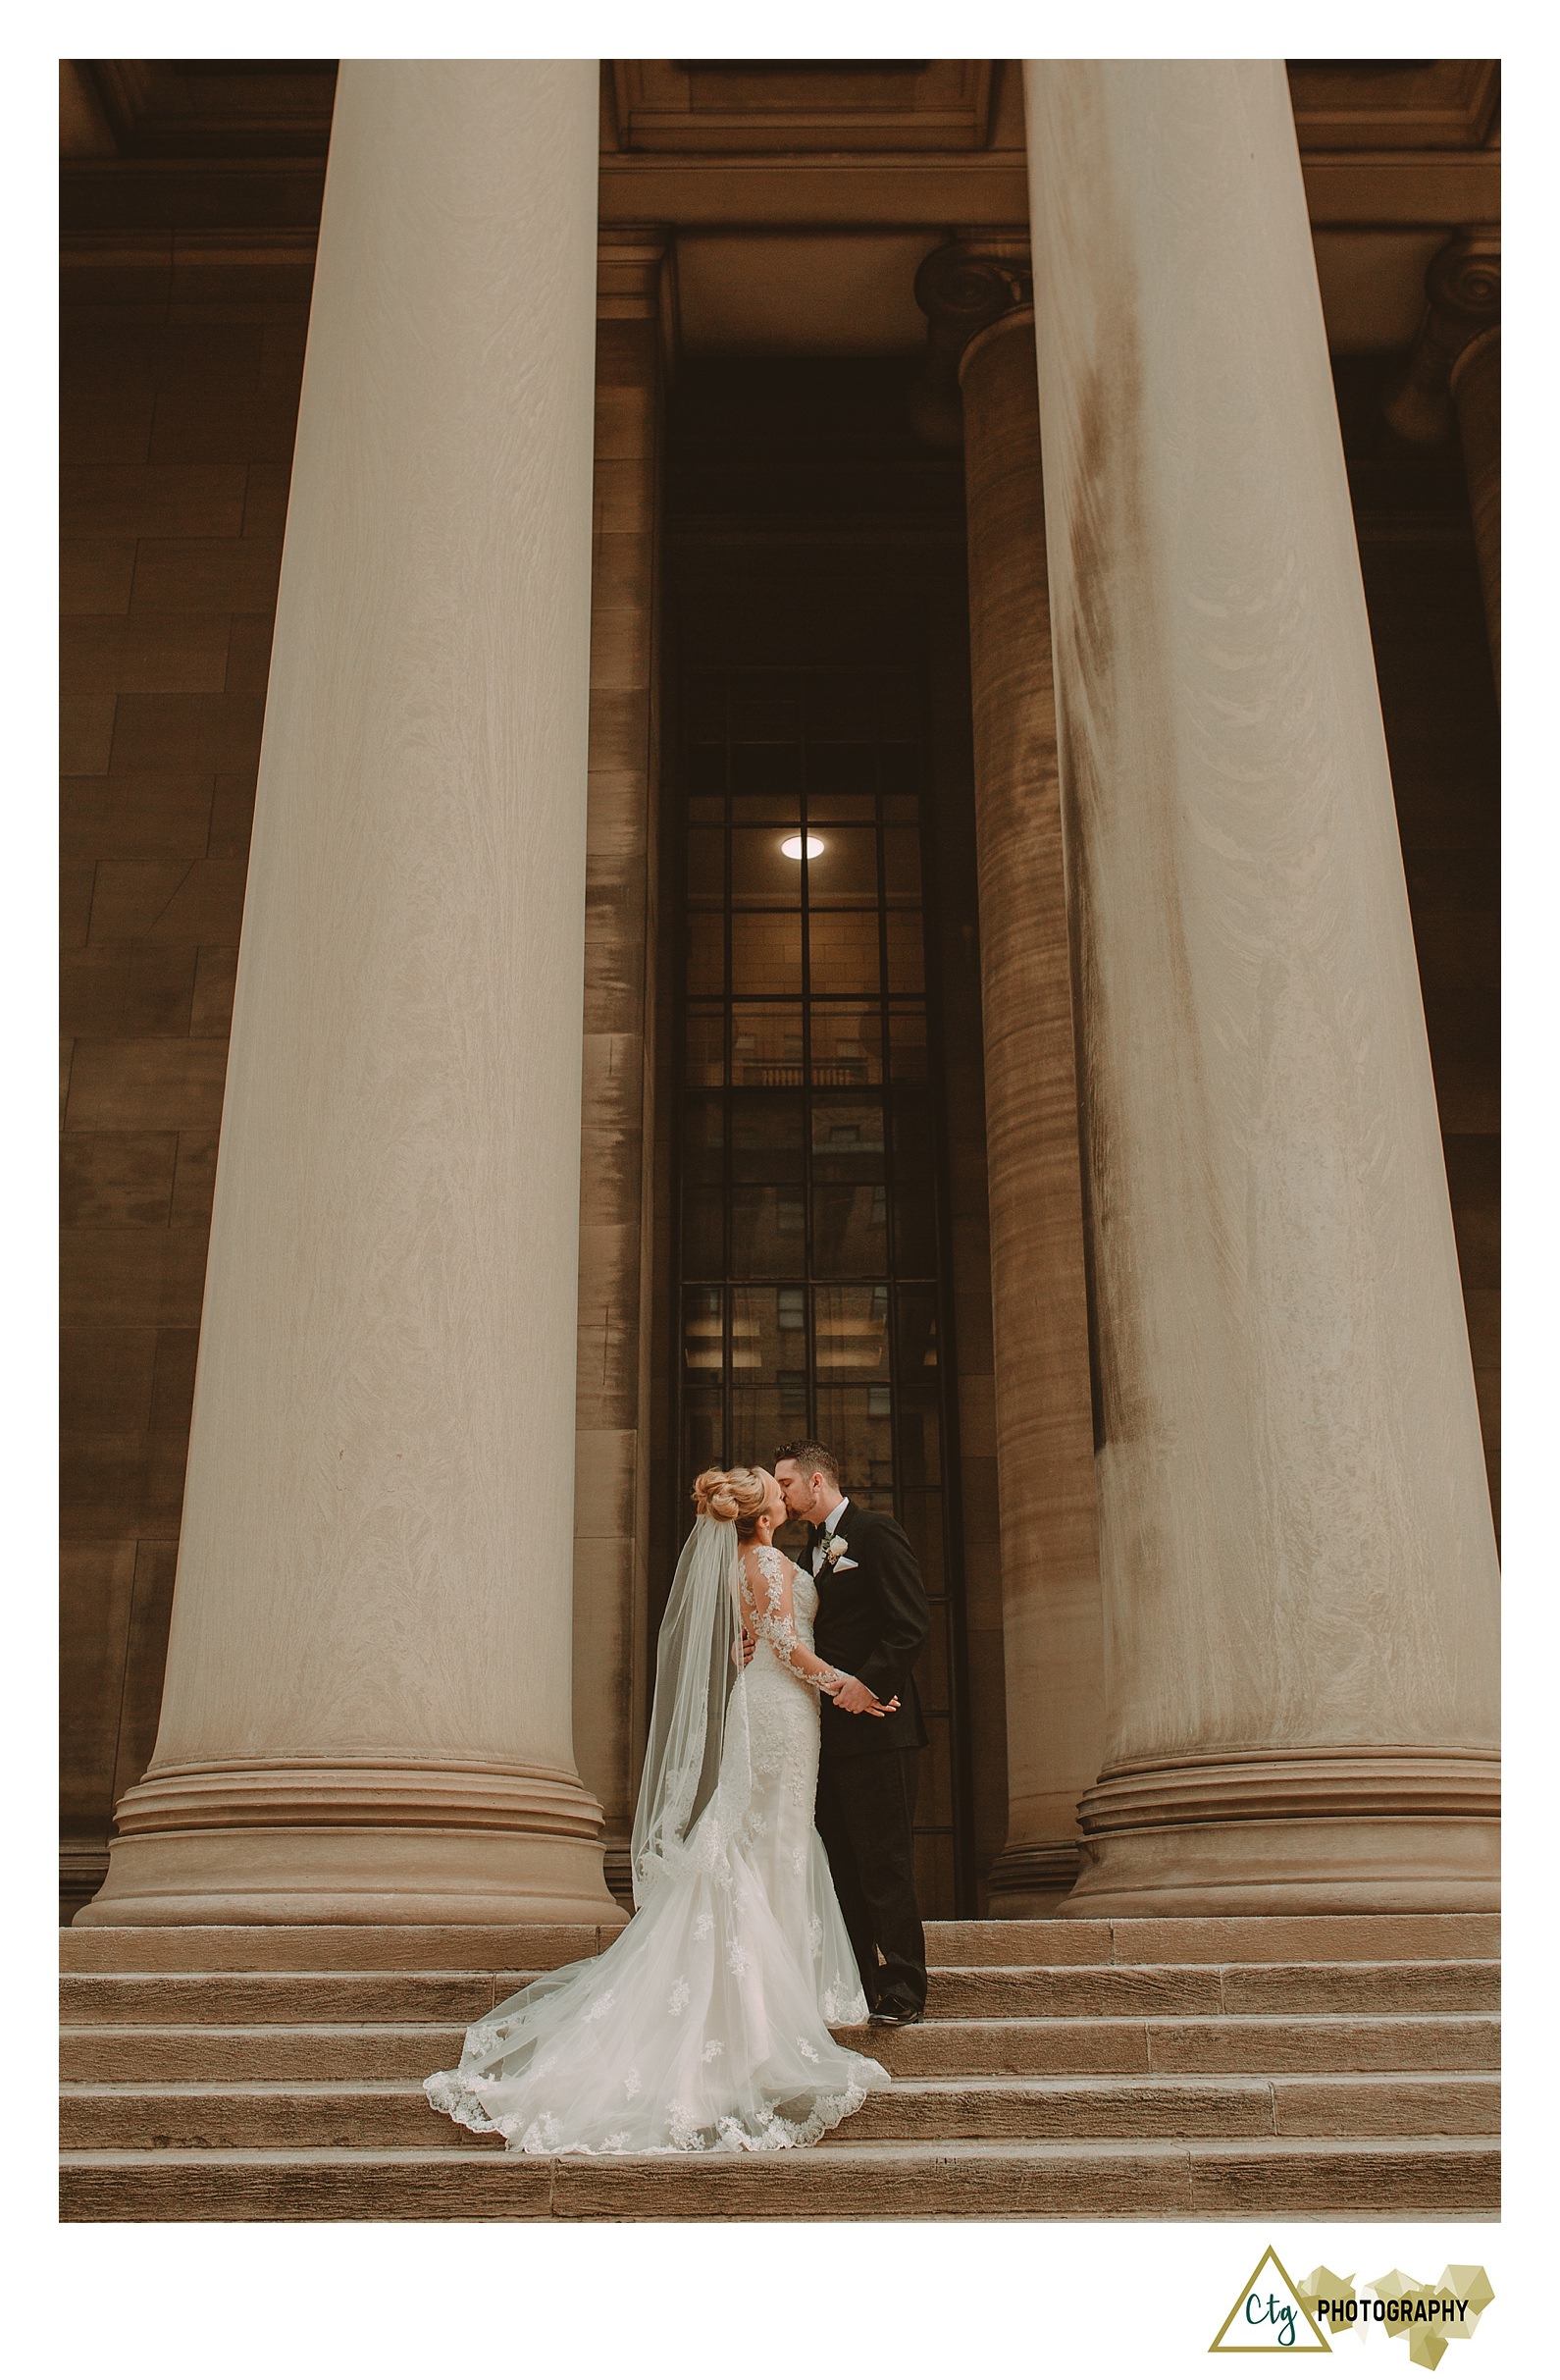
(791, 847)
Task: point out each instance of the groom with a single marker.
(873, 1619)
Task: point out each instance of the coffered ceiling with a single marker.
(745, 107)
(803, 191)
(197, 107)
(170, 108)
(1395, 103)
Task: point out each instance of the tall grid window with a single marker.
(809, 1224)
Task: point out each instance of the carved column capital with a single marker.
(1453, 381)
(1462, 292)
(964, 289)
(1462, 283)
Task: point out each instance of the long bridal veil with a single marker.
(700, 1699)
(706, 2024)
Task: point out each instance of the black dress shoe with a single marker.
(889, 2014)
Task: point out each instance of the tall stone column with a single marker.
(1298, 1561)
(977, 301)
(1455, 368)
(367, 1708)
(1475, 392)
(617, 1253)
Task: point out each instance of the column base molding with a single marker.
(617, 1866)
(1033, 1879)
(340, 1843)
(1327, 1830)
(1354, 1780)
(84, 1864)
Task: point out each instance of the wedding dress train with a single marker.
(706, 2024)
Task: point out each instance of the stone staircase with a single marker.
(1198, 2067)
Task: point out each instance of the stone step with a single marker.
(1235, 2045)
(1248, 2044)
(334, 1997)
(1459, 1986)
(332, 2115)
(1210, 1940)
(256, 2054)
(314, 1949)
(961, 1943)
(1445, 2178)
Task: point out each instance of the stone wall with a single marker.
(1438, 700)
(615, 1396)
(1442, 720)
(182, 359)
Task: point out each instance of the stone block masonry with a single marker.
(179, 400)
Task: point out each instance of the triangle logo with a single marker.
(1268, 2317)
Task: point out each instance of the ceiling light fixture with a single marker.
(791, 847)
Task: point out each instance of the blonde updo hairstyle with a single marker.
(739, 1496)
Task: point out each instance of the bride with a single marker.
(706, 2024)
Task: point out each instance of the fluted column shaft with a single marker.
(1052, 1645)
(1475, 392)
(1297, 1555)
(367, 1710)
(1455, 370)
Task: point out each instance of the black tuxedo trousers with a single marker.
(873, 1620)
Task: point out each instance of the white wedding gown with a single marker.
(706, 2024)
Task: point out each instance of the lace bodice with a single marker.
(783, 1616)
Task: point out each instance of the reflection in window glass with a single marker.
(706, 868)
(767, 1049)
(706, 954)
(908, 1044)
(843, 951)
(781, 812)
(704, 1045)
(769, 1232)
(906, 953)
(703, 1136)
(850, 1231)
(763, 873)
(703, 1234)
(851, 1332)
(765, 951)
(844, 866)
(704, 1312)
(848, 1139)
(847, 1044)
(901, 864)
(766, 1129)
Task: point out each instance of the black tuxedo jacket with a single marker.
(872, 1622)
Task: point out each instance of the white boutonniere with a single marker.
(834, 1552)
